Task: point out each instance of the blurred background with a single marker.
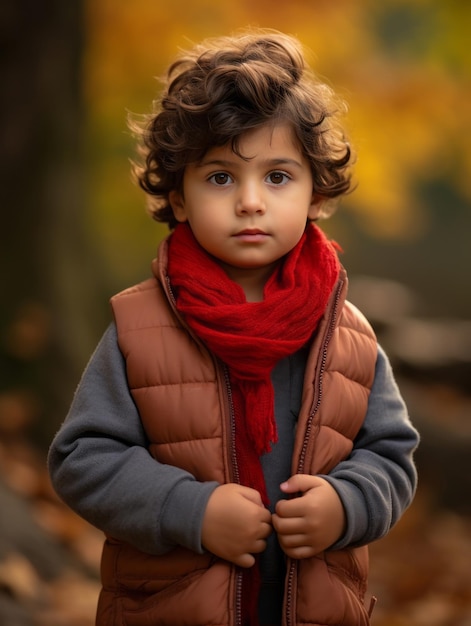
(74, 230)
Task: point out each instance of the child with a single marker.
(238, 434)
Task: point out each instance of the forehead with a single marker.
(275, 140)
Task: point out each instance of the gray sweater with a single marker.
(100, 465)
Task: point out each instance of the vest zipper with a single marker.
(235, 468)
(236, 478)
(170, 293)
(292, 570)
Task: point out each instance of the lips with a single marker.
(251, 232)
(251, 235)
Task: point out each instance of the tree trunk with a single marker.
(45, 333)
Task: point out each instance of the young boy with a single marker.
(238, 434)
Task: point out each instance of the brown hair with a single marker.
(226, 86)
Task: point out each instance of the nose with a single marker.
(250, 199)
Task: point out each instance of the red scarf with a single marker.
(251, 337)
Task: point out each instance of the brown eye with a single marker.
(220, 178)
(278, 178)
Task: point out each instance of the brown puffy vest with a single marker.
(182, 397)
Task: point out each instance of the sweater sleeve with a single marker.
(378, 481)
(100, 465)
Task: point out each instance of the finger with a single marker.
(244, 560)
(291, 508)
(300, 552)
(265, 517)
(300, 483)
(266, 530)
(293, 541)
(288, 526)
(259, 546)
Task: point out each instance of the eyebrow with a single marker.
(224, 163)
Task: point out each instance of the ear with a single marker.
(177, 203)
(315, 206)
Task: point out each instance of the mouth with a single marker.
(251, 235)
(248, 232)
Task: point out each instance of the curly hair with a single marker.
(226, 86)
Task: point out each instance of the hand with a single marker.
(236, 524)
(311, 522)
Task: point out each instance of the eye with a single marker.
(220, 178)
(278, 178)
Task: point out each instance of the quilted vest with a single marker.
(183, 399)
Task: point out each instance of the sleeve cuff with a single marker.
(183, 513)
(355, 510)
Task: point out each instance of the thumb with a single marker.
(300, 483)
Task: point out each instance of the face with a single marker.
(249, 213)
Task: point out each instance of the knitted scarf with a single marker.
(251, 337)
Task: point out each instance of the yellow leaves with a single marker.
(407, 125)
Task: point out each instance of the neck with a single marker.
(252, 280)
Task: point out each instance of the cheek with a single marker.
(205, 230)
(292, 232)
(296, 224)
(208, 218)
